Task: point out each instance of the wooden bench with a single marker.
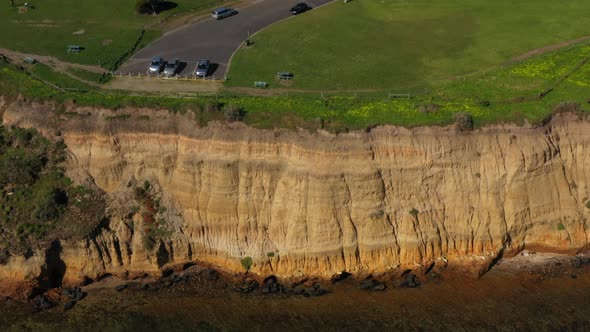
(283, 75)
(260, 84)
(74, 49)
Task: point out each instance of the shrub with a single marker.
(428, 108)
(270, 254)
(247, 263)
(588, 204)
(464, 121)
(233, 113)
(414, 212)
(560, 227)
(376, 214)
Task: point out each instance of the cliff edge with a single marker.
(301, 203)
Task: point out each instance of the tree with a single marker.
(147, 6)
(12, 3)
(247, 263)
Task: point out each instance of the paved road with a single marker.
(215, 40)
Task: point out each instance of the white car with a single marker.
(171, 68)
(156, 65)
(223, 12)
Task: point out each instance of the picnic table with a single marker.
(284, 75)
(74, 48)
(260, 84)
(30, 60)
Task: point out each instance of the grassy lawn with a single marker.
(106, 29)
(60, 79)
(508, 94)
(401, 45)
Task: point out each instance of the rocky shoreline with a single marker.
(205, 279)
(539, 286)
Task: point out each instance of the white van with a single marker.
(223, 12)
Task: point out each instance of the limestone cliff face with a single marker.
(323, 203)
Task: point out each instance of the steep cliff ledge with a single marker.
(302, 203)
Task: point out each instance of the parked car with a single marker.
(171, 68)
(299, 8)
(223, 12)
(203, 67)
(156, 65)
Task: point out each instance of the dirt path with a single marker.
(163, 85)
(55, 63)
(548, 48)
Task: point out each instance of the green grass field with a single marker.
(401, 45)
(106, 29)
(509, 94)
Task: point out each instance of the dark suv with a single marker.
(300, 8)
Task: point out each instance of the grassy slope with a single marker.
(111, 28)
(400, 45)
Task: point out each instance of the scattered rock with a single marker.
(298, 291)
(247, 286)
(368, 284)
(120, 287)
(380, 287)
(69, 305)
(410, 280)
(41, 303)
(340, 276)
(145, 286)
(434, 276)
(316, 290)
(210, 274)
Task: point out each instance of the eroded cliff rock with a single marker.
(315, 204)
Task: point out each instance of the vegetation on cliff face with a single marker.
(37, 201)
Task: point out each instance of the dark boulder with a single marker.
(270, 280)
(120, 288)
(410, 280)
(368, 284)
(41, 303)
(379, 287)
(210, 274)
(176, 279)
(298, 291)
(69, 305)
(145, 286)
(78, 294)
(340, 276)
(247, 286)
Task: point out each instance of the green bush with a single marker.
(247, 263)
(233, 113)
(588, 204)
(560, 227)
(414, 212)
(270, 254)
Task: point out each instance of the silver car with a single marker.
(171, 68)
(156, 65)
(203, 66)
(223, 12)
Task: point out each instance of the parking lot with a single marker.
(215, 40)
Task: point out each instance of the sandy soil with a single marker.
(163, 85)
